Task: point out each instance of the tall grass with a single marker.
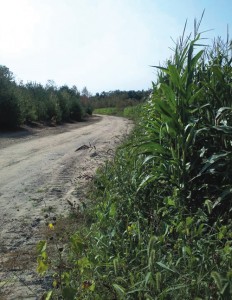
(160, 223)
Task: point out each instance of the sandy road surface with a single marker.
(43, 173)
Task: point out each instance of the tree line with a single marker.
(119, 99)
(32, 102)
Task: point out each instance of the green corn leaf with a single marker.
(191, 135)
(196, 58)
(168, 93)
(164, 109)
(173, 128)
(196, 96)
(200, 45)
(168, 115)
(161, 68)
(150, 147)
(148, 159)
(183, 56)
(175, 76)
(217, 72)
(212, 161)
(146, 181)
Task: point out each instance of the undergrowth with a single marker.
(159, 226)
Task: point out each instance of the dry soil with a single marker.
(44, 171)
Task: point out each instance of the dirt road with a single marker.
(46, 173)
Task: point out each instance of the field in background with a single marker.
(130, 112)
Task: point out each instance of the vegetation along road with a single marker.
(47, 172)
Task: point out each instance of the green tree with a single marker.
(10, 112)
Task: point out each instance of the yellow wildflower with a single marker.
(51, 226)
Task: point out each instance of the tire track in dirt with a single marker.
(45, 174)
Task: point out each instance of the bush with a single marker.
(89, 110)
(76, 110)
(53, 109)
(10, 113)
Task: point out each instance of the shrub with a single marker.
(76, 111)
(10, 112)
(53, 109)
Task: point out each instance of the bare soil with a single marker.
(45, 172)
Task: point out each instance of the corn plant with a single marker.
(160, 223)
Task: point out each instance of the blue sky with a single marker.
(101, 44)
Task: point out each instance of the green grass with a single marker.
(106, 111)
(130, 112)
